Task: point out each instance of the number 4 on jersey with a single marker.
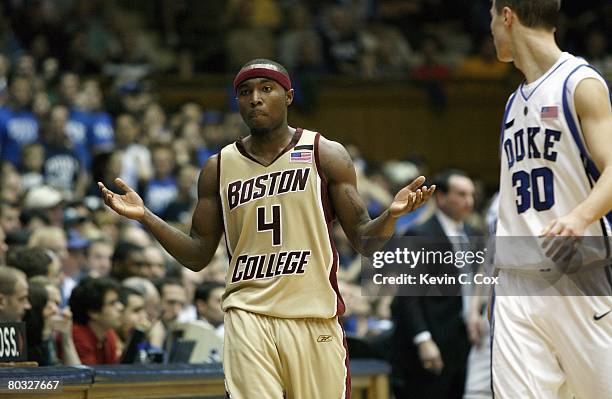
(274, 225)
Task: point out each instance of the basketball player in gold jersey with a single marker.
(275, 195)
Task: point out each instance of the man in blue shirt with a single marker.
(100, 134)
(18, 126)
(62, 168)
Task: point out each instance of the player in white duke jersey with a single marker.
(551, 330)
(275, 195)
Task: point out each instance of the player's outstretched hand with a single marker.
(129, 204)
(411, 197)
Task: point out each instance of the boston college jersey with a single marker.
(278, 220)
(546, 168)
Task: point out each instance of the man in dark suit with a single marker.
(430, 342)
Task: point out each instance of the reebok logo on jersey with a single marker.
(324, 338)
(597, 317)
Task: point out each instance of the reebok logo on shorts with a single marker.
(324, 338)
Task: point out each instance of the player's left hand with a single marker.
(475, 328)
(562, 236)
(411, 197)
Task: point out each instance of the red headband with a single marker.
(262, 71)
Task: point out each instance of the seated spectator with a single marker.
(252, 36)
(18, 126)
(392, 55)
(54, 238)
(134, 316)
(13, 294)
(136, 161)
(207, 300)
(134, 234)
(343, 42)
(156, 262)
(31, 167)
(48, 201)
(294, 39)
(149, 292)
(431, 68)
(162, 189)
(63, 169)
(173, 300)
(100, 127)
(179, 211)
(44, 320)
(10, 183)
(9, 217)
(38, 262)
(483, 64)
(128, 261)
(98, 255)
(154, 125)
(76, 262)
(96, 313)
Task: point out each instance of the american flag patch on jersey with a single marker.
(550, 112)
(300, 157)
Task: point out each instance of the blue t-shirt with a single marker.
(77, 131)
(159, 193)
(101, 134)
(203, 154)
(17, 129)
(61, 167)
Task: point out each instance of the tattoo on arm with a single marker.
(349, 194)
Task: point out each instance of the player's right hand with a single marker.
(431, 358)
(62, 322)
(129, 204)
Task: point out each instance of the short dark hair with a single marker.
(34, 319)
(123, 249)
(88, 296)
(32, 261)
(203, 291)
(125, 292)
(8, 279)
(161, 283)
(533, 13)
(265, 61)
(442, 179)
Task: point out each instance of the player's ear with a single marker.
(289, 97)
(508, 16)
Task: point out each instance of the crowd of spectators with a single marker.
(370, 39)
(84, 279)
(94, 277)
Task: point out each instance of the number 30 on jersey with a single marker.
(535, 189)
